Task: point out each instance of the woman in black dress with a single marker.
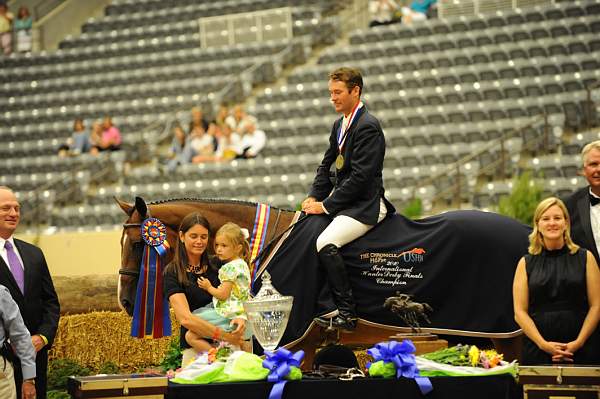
(556, 292)
(180, 284)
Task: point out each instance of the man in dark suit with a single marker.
(23, 270)
(356, 199)
(584, 204)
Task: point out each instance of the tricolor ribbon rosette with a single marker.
(397, 358)
(151, 312)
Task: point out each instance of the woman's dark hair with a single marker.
(180, 259)
(23, 12)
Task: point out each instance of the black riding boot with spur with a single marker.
(339, 283)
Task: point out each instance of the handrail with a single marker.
(455, 167)
(589, 103)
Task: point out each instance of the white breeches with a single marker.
(344, 229)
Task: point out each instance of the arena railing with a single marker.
(590, 105)
(457, 8)
(499, 165)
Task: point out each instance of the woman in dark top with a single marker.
(556, 293)
(180, 283)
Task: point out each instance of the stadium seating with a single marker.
(443, 90)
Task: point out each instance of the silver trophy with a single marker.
(268, 314)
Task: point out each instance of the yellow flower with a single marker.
(474, 355)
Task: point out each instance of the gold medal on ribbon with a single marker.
(339, 162)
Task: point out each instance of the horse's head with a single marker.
(132, 247)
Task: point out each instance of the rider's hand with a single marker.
(307, 201)
(314, 208)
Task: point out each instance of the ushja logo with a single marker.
(413, 255)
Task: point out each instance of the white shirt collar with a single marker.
(11, 239)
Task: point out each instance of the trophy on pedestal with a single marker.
(268, 314)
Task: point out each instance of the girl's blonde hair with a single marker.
(235, 235)
(536, 241)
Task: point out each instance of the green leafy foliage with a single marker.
(523, 199)
(414, 209)
(57, 395)
(109, 368)
(172, 359)
(59, 371)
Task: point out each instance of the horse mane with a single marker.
(211, 201)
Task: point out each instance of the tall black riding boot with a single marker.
(333, 263)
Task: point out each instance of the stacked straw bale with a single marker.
(95, 338)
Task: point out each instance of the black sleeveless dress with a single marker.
(558, 303)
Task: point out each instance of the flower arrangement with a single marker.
(219, 353)
(466, 355)
(464, 361)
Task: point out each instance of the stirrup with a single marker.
(337, 323)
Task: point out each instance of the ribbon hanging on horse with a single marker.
(259, 232)
(151, 313)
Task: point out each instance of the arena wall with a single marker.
(84, 267)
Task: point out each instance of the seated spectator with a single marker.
(197, 143)
(109, 138)
(205, 145)
(238, 118)
(78, 143)
(253, 140)
(222, 115)
(23, 25)
(228, 146)
(383, 12)
(417, 11)
(197, 120)
(177, 146)
(6, 19)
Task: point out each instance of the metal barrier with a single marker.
(499, 164)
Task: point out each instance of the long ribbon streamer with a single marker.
(151, 312)
(259, 233)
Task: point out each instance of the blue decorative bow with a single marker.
(402, 355)
(279, 363)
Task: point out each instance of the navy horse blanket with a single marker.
(461, 263)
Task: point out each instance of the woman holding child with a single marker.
(191, 263)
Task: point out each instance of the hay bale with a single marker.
(94, 338)
(82, 294)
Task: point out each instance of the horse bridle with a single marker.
(127, 272)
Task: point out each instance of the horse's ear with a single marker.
(141, 207)
(127, 208)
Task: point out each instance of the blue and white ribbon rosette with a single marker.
(397, 358)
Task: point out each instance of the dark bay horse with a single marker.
(460, 262)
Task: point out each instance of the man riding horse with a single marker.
(355, 199)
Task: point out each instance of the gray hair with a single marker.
(594, 145)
